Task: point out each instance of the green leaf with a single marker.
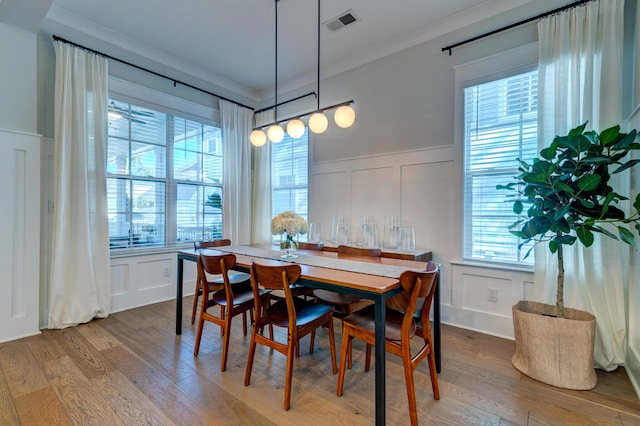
(626, 165)
(508, 186)
(636, 203)
(550, 152)
(589, 182)
(565, 239)
(626, 236)
(610, 135)
(534, 178)
(585, 236)
(578, 130)
(626, 141)
(553, 246)
(604, 231)
(517, 207)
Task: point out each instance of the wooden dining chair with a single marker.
(344, 303)
(310, 246)
(233, 300)
(234, 277)
(417, 293)
(298, 316)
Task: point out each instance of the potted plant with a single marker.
(565, 197)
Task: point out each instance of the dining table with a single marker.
(375, 279)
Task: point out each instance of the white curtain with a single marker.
(261, 233)
(236, 181)
(580, 79)
(80, 283)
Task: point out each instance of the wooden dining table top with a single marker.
(339, 272)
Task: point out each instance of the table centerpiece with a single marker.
(288, 225)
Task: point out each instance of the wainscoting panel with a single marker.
(374, 190)
(144, 279)
(482, 297)
(20, 230)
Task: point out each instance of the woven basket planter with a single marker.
(555, 351)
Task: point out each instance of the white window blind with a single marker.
(290, 176)
(151, 157)
(500, 125)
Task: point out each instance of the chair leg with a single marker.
(289, 374)
(222, 311)
(434, 374)
(252, 353)
(411, 391)
(332, 345)
(312, 341)
(196, 295)
(225, 343)
(367, 357)
(346, 342)
(244, 323)
(196, 349)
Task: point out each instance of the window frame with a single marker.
(125, 91)
(291, 187)
(495, 67)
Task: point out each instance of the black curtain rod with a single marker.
(517, 24)
(55, 37)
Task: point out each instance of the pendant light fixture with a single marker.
(275, 132)
(344, 115)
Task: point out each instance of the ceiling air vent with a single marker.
(342, 20)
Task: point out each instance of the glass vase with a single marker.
(288, 244)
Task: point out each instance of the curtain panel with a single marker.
(579, 80)
(261, 232)
(80, 282)
(236, 181)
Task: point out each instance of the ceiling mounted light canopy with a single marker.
(344, 115)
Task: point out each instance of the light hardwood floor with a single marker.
(132, 369)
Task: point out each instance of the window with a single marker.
(290, 176)
(500, 125)
(154, 158)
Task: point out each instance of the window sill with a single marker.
(144, 251)
(488, 265)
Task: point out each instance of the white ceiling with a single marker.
(231, 43)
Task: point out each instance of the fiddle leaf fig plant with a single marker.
(564, 195)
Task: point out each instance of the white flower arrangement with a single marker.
(289, 222)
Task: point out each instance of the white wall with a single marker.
(18, 83)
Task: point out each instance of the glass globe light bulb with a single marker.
(295, 128)
(344, 116)
(275, 133)
(318, 123)
(258, 138)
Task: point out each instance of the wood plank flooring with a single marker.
(131, 369)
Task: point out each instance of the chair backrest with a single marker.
(358, 251)
(311, 246)
(275, 278)
(214, 265)
(215, 243)
(417, 295)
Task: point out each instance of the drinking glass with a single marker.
(363, 231)
(370, 237)
(391, 232)
(315, 232)
(408, 238)
(341, 229)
